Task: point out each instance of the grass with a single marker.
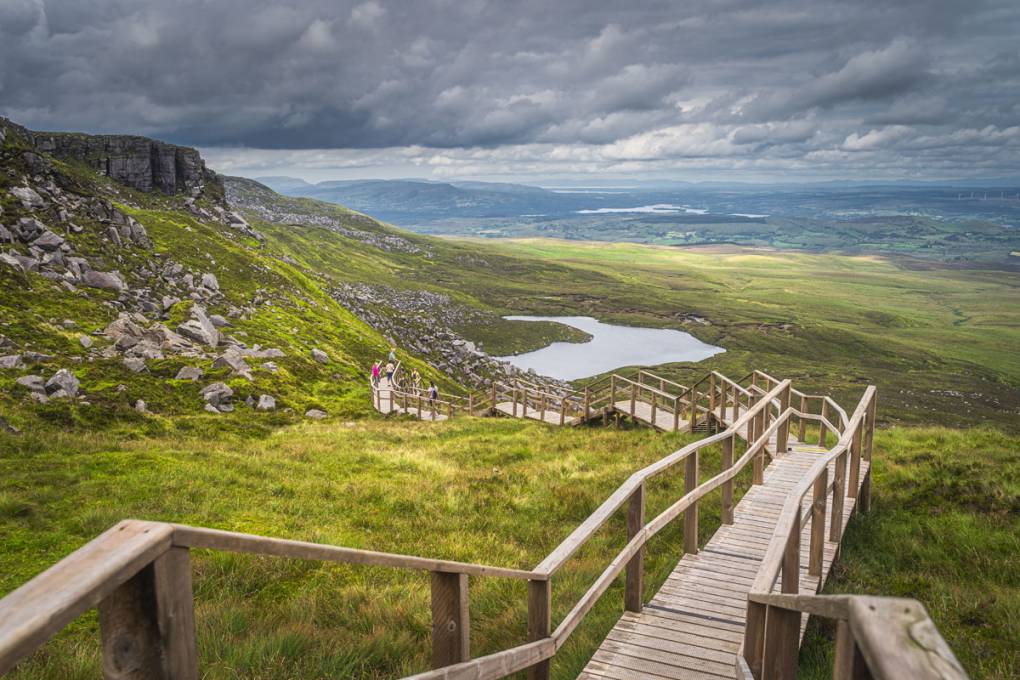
(943, 529)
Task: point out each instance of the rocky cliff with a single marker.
(141, 163)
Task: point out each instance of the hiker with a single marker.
(393, 355)
(416, 381)
(389, 372)
(375, 374)
(433, 394)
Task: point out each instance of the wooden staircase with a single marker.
(735, 607)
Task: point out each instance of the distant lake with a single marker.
(611, 347)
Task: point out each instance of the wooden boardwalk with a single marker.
(386, 401)
(664, 419)
(692, 628)
(552, 417)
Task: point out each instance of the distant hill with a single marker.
(402, 201)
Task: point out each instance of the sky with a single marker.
(552, 91)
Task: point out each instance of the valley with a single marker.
(224, 292)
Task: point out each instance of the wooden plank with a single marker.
(539, 622)
(634, 588)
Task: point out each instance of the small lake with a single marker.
(611, 347)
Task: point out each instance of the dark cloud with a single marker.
(574, 84)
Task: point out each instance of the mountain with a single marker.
(410, 201)
(137, 283)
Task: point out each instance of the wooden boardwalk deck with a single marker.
(691, 629)
(664, 419)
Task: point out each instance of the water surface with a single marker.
(610, 347)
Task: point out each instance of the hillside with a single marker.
(239, 317)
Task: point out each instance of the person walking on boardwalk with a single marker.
(389, 372)
(375, 374)
(416, 381)
(393, 355)
(433, 395)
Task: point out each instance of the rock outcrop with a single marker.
(141, 163)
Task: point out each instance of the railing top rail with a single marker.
(648, 388)
(665, 380)
(584, 531)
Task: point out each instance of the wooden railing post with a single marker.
(802, 421)
(848, 662)
(676, 414)
(514, 409)
(539, 622)
(736, 403)
(823, 431)
(694, 409)
(783, 431)
(542, 418)
(633, 398)
(612, 391)
(691, 513)
(754, 637)
(855, 461)
(754, 431)
(818, 503)
(864, 501)
(147, 625)
(451, 627)
(653, 409)
(494, 395)
(727, 486)
(782, 635)
(711, 398)
(636, 566)
(587, 403)
(838, 492)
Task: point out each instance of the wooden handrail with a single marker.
(894, 637)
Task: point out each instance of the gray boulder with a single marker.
(209, 281)
(140, 406)
(30, 200)
(211, 409)
(11, 361)
(33, 383)
(85, 341)
(266, 403)
(315, 414)
(62, 380)
(48, 241)
(5, 235)
(103, 280)
(12, 262)
(135, 364)
(217, 394)
(199, 328)
(218, 321)
(320, 356)
(191, 373)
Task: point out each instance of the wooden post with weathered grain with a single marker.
(864, 500)
(494, 402)
(783, 431)
(147, 625)
(736, 403)
(653, 408)
(451, 623)
(612, 390)
(691, 513)
(676, 414)
(636, 566)
(711, 399)
(587, 403)
(816, 551)
(727, 486)
(542, 418)
(838, 492)
(694, 409)
(782, 634)
(633, 398)
(802, 421)
(754, 637)
(563, 408)
(855, 461)
(539, 622)
(823, 430)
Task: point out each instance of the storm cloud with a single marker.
(921, 88)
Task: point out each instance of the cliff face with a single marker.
(141, 163)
